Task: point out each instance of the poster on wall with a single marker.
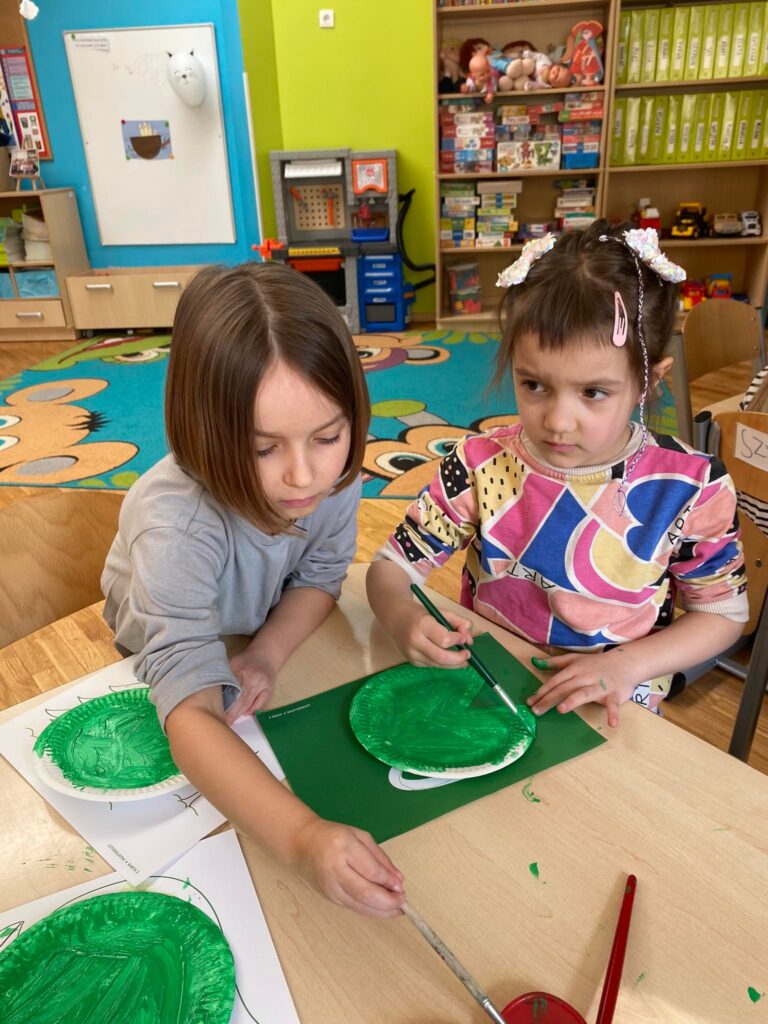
(8, 136)
(22, 97)
(157, 164)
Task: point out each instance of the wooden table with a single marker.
(689, 821)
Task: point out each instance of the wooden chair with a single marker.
(740, 439)
(52, 552)
(716, 333)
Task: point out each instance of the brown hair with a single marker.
(568, 299)
(231, 325)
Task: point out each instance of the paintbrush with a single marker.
(474, 660)
(450, 961)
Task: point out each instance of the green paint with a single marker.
(754, 995)
(540, 1007)
(603, 687)
(112, 742)
(640, 977)
(123, 957)
(541, 663)
(7, 931)
(529, 795)
(421, 720)
(534, 869)
(186, 883)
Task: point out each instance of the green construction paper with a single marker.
(424, 720)
(331, 772)
(123, 957)
(110, 742)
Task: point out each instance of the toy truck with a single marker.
(690, 222)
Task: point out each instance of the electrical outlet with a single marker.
(326, 19)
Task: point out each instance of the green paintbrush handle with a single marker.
(474, 661)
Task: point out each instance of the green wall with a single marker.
(364, 84)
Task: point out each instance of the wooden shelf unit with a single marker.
(45, 319)
(722, 187)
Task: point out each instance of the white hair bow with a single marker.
(645, 243)
(533, 250)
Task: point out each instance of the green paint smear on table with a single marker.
(122, 958)
(421, 720)
(111, 742)
(534, 869)
(754, 995)
(529, 795)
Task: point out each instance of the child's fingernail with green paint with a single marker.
(540, 662)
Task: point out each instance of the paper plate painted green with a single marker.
(422, 720)
(121, 958)
(111, 742)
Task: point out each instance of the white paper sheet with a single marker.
(213, 877)
(135, 838)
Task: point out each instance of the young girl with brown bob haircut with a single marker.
(580, 526)
(248, 527)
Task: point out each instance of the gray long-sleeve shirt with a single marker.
(184, 571)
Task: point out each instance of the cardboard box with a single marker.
(631, 126)
(671, 130)
(743, 124)
(685, 134)
(754, 38)
(679, 43)
(757, 126)
(617, 131)
(739, 40)
(659, 121)
(635, 53)
(730, 104)
(723, 42)
(664, 45)
(700, 127)
(708, 42)
(693, 51)
(715, 125)
(645, 128)
(650, 45)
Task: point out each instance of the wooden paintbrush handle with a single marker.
(450, 961)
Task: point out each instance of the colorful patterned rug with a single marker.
(93, 416)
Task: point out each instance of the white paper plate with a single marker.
(50, 773)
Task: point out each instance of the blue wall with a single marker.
(69, 168)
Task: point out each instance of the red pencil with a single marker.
(616, 960)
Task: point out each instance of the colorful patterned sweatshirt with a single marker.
(557, 556)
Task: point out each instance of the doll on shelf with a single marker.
(584, 53)
(482, 78)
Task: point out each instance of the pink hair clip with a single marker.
(620, 320)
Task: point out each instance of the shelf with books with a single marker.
(713, 243)
(695, 84)
(724, 165)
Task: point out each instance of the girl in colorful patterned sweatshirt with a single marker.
(580, 527)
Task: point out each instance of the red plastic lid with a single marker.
(541, 1008)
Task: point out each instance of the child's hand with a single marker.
(579, 679)
(347, 866)
(425, 642)
(257, 680)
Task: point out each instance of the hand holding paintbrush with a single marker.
(476, 663)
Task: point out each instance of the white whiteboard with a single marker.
(119, 78)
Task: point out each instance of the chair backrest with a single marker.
(52, 551)
(720, 332)
(743, 447)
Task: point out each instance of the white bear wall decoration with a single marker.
(187, 77)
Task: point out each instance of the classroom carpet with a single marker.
(93, 416)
